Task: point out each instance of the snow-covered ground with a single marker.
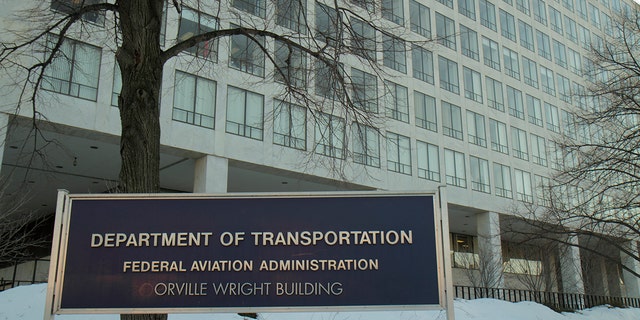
(27, 303)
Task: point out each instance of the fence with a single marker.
(554, 300)
(31, 272)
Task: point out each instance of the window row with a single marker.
(76, 72)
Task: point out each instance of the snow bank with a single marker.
(27, 303)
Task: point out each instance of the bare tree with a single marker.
(345, 33)
(482, 269)
(22, 231)
(594, 194)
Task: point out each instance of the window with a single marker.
(393, 10)
(523, 6)
(543, 190)
(495, 98)
(290, 125)
(246, 54)
(194, 23)
(575, 62)
(363, 39)
(194, 100)
(569, 124)
(514, 100)
(502, 180)
(526, 35)
(534, 108)
(568, 4)
(420, 19)
(547, 80)
(524, 191)
(451, 120)
(328, 24)
(366, 145)
(245, 111)
(530, 70)
(594, 13)
(448, 3)
(582, 8)
(455, 168)
(572, 32)
(498, 134)
(422, 64)
(519, 143)
(615, 5)
(540, 11)
(544, 45)
(556, 20)
(608, 24)
(488, 15)
(369, 5)
(74, 69)
(585, 37)
(328, 80)
(398, 153)
(507, 25)
(425, 111)
(71, 6)
(538, 150)
(511, 63)
(365, 90)
(463, 254)
(578, 91)
(394, 53)
(491, 53)
(564, 88)
(117, 85)
(446, 31)
(597, 42)
(469, 43)
(330, 132)
(397, 103)
(559, 53)
(555, 155)
(553, 119)
(291, 14)
(428, 161)
(475, 129)
(467, 8)
(448, 72)
(254, 7)
(472, 84)
(479, 174)
(290, 65)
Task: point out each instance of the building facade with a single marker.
(473, 95)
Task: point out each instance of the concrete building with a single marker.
(475, 109)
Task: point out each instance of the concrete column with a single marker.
(4, 129)
(571, 267)
(490, 249)
(210, 175)
(631, 282)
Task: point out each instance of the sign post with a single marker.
(247, 253)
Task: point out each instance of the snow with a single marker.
(27, 303)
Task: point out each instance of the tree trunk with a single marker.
(139, 102)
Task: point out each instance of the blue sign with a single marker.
(250, 252)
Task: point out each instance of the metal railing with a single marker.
(15, 281)
(555, 300)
